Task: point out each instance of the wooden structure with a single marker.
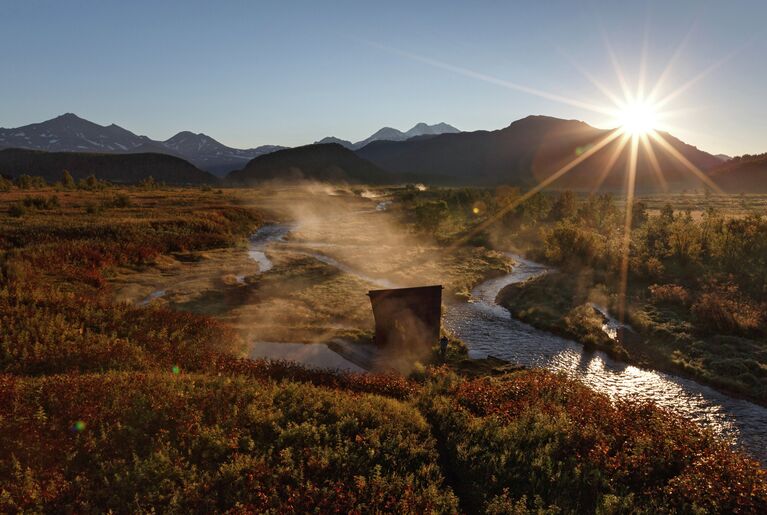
(407, 319)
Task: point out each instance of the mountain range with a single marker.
(523, 154)
(70, 133)
(391, 134)
(529, 151)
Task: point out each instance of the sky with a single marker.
(250, 73)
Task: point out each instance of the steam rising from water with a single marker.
(330, 248)
(370, 248)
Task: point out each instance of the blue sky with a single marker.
(250, 73)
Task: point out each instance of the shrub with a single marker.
(90, 183)
(5, 184)
(28, 182)
(669, 294)
(567, 242)
(542, 436)
(121, 200)
(67, 181)
(41, 202)
(723, 309)
(187, 443)
(148, 183)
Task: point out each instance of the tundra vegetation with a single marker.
(696, 292)
(110, 406)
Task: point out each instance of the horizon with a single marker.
(290, 77)
(244, 267)
(317, 140)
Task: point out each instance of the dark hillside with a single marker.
(530, 150)
(746, 174)
(117, 168)
(322, 162)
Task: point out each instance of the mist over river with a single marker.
(488, 329)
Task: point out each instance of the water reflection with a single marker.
(261, 239)
(489, 329)
(316, 355)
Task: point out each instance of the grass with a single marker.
(106, 405)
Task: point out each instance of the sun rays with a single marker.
(637, 117)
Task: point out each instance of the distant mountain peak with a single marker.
(424, 129)
(68, 116)
(333, 139)
(392, 134)
(70, 133)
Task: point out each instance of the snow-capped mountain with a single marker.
(70, 133)
(391, 134)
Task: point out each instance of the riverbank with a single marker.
(304, 276)
(661, 339)
(108, 404)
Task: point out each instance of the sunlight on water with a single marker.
(489, 329)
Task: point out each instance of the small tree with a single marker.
(638, 214)
(564, 207)
(148, 183)
(90, 183)
(667, 213)
(5, 184)
(67, 181)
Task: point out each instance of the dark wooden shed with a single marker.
(407, 319)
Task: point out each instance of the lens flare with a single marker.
(637, 116)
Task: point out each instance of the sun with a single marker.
(637, 118)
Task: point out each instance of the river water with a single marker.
(489, 329)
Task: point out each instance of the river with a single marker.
(489, 329)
